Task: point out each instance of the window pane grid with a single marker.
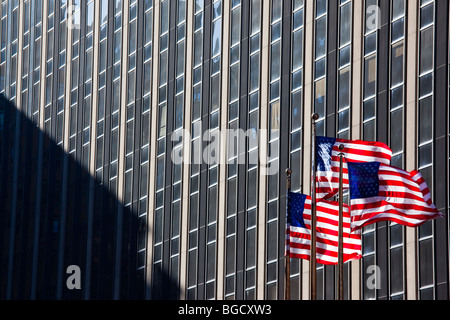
(196, 152)
(49, 72)
(320, 62)
(233, 152)
(344, 70)
(213, 167)
(425, 142)
(296, 116)
(101, 104)
(163, 38)
(370, 76)
(252, 150)
(61, 82)
(271, 291)
(178, 119)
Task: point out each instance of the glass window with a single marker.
(235, 27)
(370, 76)
(103, 12)
(162, 121)
(427, 15)
(370, 43)
(215, 92)
(344, 56)
(345, 24)
(344, 88)
(321, 7)
(297, 50)
(426, 50)
(234, 82)
(216, 38)
(397, 64)
(320, 93)
(396, 131)
(425, 119)
(296, 110)
(198, 48)
(276, 10)
(397, 31)
(321, 31)
(426, 262)
(164, 19)
(397, 97)
(398, 8)
(163, 68)
(256, 16)
(275, 68)
(90, 17)
(132, 37)
(254, 72)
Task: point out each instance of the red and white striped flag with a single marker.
(327, 161)
(298, 231)
(379, 192)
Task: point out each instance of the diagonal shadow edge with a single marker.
(54, 214)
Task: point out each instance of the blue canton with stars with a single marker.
(363, 179)
(295, 207)
(324, 147)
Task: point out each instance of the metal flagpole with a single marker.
(313, 270)
(341, 228)
(288, 256)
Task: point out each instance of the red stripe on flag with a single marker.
(298, 239)
(404, 201)
(327, 183)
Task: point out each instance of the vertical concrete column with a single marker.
(43, 62)
(221, 218)
(307, 112)
(186, 150)
(122, 139)
(153, 144)
(410, 143)
(67, 86)
(10, 265)
(356, 129)
(41, 120)
(263, 151)
(93, 139)
(65, 147)
(93, 147)
(19, 56)
(123, 100)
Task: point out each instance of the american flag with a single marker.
(380, 192)
(298, 231)
(327, 161)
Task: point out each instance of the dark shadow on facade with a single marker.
(54, 214)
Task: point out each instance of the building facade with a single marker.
(106, 97)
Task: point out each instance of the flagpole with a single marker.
(313, 270)
(288, 256)
(341, 228)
